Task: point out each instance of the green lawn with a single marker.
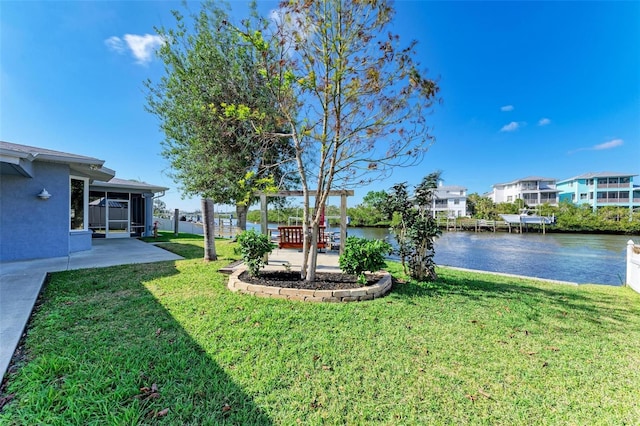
(122, 345)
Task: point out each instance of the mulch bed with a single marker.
(323, 281)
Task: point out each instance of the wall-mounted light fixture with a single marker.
(44, 195)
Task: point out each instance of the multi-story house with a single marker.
(533, 190)
(601, 189)
(450, 201)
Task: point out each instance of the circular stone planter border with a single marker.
(371, 292)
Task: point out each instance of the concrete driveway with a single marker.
(21, 282)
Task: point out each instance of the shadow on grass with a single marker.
(478, 287)
(102, 349)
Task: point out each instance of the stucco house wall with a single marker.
(31, 227)
(36, 228)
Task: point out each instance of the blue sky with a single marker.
(529, 88)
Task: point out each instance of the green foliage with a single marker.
(214, 108)
(361, 254)
(251, 183)
(480, 207)
(369, 212)
(582, 218)
(414, 227)
(253, 246)
(159, 208)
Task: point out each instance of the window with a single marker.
(456, 202)
(509, 198)
(583, 196)
(78, 201)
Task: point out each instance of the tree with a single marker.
(369, 212)
(353, 101)
(480, 207)
(414, 226)
(210, 82)
(159, 207)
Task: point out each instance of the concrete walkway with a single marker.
(327, 262)
(21, 282)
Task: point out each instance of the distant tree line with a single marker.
(569, 217)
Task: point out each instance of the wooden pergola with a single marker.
(342, 193)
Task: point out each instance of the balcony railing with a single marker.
(613, 185)
(613, 200)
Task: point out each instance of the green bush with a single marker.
(362, 255)
(253, 247)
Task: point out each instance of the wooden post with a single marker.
(176, 222)
(264, 226)
(343, 220)
(263, 214)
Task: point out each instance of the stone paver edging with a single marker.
(375, 291)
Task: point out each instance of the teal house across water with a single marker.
(600, 190)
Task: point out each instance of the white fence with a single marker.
(183, 226)
(633, 265)
(222, 227)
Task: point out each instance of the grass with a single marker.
(467, 349)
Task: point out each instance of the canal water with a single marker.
(578, 258)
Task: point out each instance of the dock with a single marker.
(510, 223)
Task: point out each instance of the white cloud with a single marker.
(544, 122)
(141, 47)
(510, 127)
(608, 145)
(144, 46)
(507, 108)
(605, 145)
(116, 44)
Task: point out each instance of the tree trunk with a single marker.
(209, 232)
(313, 255)
(304, 270)
(241, 212)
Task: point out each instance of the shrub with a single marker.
(414, 227)
(253, 247)
(362, 255)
